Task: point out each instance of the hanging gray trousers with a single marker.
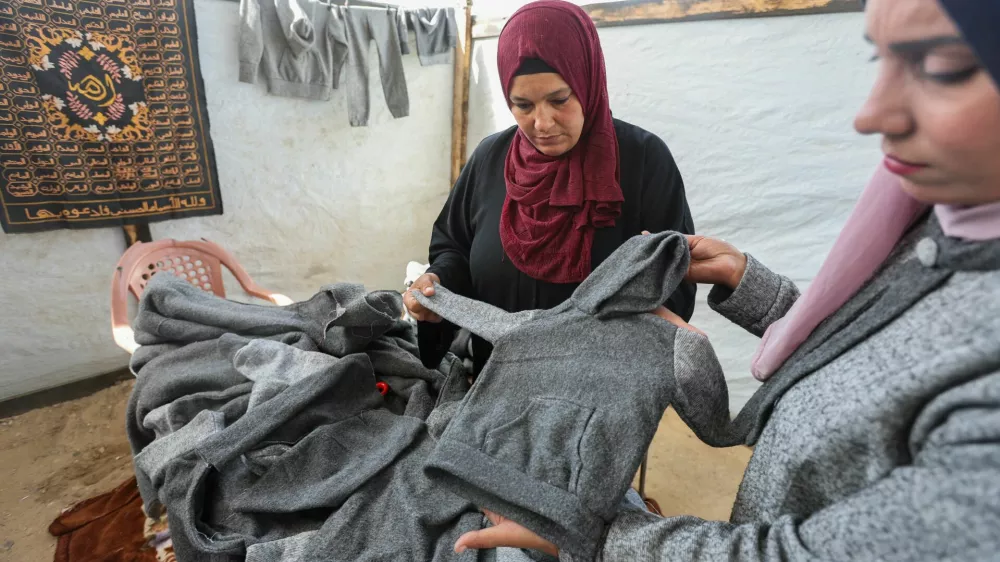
(365, 25)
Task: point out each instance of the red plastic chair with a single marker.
(198, 262)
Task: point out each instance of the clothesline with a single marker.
(404, 4)
(370, 5)
(329, 38)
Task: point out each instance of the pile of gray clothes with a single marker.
(263, 432)
(312, 432)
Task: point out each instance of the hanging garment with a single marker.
(436, 33)
(365, 25)
(556, 426)
(295, 46)
(404, 32)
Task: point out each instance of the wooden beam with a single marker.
(460, 97)
(638, 12)
(135, 233)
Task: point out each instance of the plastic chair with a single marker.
(198, 262)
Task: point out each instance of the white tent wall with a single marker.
(308, 201)
(757, 113)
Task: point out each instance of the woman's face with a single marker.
(547, 112)
(937, 109)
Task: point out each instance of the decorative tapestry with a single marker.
(102, 115)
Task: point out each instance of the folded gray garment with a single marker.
(555, 427)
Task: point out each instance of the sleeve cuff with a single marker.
(438, 271)
(753, 300)
(248, 72)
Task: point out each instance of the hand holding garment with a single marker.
(556, 426)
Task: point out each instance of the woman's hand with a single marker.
(424, 284)
(504, 532)
(669, 316)
(715, 262)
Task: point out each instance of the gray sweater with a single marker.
(554, 429)
(879, 439)
(297, 47)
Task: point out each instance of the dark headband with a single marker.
(534, 66)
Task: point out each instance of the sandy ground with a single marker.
(53, 457)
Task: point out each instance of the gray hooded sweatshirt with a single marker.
(556, 426)
(297, 47)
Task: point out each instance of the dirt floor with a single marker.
(53, 457)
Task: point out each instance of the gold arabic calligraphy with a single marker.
(104, 211)
(92, 88)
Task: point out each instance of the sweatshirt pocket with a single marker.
(543, 441)
(296, 69)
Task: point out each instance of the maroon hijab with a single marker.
(554, 205)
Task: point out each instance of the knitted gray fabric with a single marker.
(168, 418)
(556, 426)
(296, 46)
(879, 439)
(260, 429)
(152, 461)
(179, 365)
(201, 487)
(399, 515)
(291, 549)
(364, 469)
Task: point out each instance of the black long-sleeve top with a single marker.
(466, 252)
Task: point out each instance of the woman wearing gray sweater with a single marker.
(877, 431)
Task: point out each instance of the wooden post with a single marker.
(460, 97)
(135, 233)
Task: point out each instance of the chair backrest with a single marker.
(198, 262)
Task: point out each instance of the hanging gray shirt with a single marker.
(297, 47)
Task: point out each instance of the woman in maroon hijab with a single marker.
(540, 205)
